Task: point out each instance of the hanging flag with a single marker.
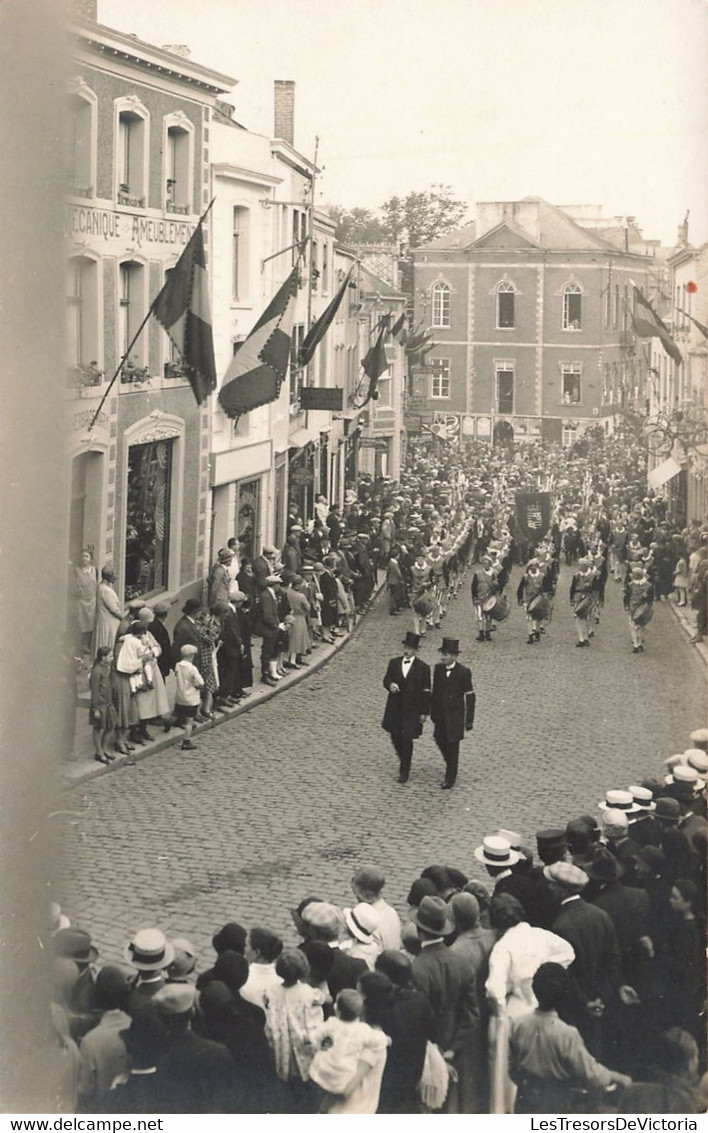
(320, 327)
(700, 326)
(374, 364)
(399, 330)
(182, 307)
(647, 324)
(256, 372)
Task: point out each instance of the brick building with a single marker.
(530, 314)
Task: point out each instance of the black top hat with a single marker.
(411, 639)
(450, 645)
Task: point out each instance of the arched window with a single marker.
(81, 140)
(179, 164)
(440, 305)
(572, 307)
(505, 305)
(131, 152)
(132, 305)
(82, 321)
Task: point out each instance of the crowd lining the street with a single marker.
(571, 984)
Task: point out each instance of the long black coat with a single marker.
(405, 708)
(453, 700)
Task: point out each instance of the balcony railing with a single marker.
(181, 210)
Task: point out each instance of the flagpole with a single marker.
(138, 332)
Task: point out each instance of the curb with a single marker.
(689, 629)
(89, 770)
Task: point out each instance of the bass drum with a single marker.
(583, 606)
(642, 613)
(489, 603)
(538, 608)
(500, 610)
(424, 603)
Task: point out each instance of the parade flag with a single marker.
(256, 372)
(663, 473)
(700, 326)
(647, 324)
(320, 327)
(533, 515)
(182, 307)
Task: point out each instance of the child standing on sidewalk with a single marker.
(189, 685)
(102, 713)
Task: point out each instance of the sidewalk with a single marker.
(686, 618)
(82, 766)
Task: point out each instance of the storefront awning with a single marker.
(663, 472)
(300, 438)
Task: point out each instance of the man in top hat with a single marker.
(219, 579)
(407, 682)
(452, 707)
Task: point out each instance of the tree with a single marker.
(357, 226)
(422, 216)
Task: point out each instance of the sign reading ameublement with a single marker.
(533, 514)
(320, 397)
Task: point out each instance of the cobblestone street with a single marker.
(287, 799)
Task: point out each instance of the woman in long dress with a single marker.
(109, 612)
(85, 592)
(513, 962)
(298, 633)
(152, 702)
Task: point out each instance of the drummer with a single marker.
(532, 592)
(484, 595)
(638, 602)
(582, 599)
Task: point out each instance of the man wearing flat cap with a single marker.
(596, 970)
(407, 682)
(198, 1075)
(452, 707)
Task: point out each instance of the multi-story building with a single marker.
(682, 392)
(286, 452)
(380, 443)
(530, 316)
(139, 174)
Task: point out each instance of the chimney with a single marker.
(85, 9)
(284, 122)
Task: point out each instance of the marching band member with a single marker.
(484, 594)
(582, 597)
(638, 602)
(532, 592)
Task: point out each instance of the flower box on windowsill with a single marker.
(125, 198)
(175, 371)
(80, 376)
(135, 375)
(182, 210)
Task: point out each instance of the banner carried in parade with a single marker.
(533, 515)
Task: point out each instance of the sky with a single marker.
(600, 102)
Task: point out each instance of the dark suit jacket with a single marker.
(596, 967)
(345, 972)
(451, 989)
(535, 894)
(404, 708)
(628, 909)
(328, 586)
(197, 1076)
(186, 633)
(453, 700)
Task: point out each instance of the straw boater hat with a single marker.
(643, 798)
(699, 738)
(149, 951)
(689, 775)
(496, 851)
(362, 922)
(619, 800)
